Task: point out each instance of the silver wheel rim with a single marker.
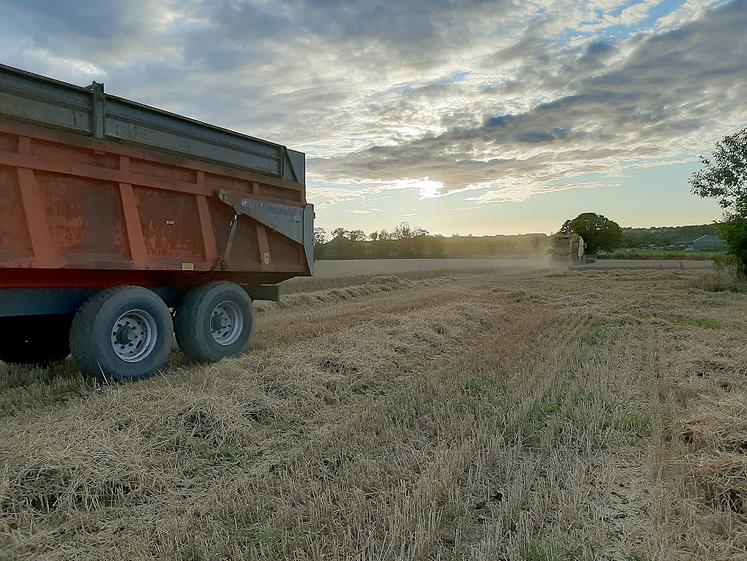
(226, 323)
(134, 335)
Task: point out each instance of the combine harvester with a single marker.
(567, 248)
(123, 225)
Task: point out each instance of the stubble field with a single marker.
(539, 416)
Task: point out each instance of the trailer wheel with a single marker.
(122, 333)
(214, 321)
(34, 339)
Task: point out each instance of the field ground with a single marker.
(538, 416)
(331, 273)
(661, 264)
(346, 272)
(661, 254)
(350, 267)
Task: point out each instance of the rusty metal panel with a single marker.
(83, 215)
(169, 222)
(15, 238)
(80, 214)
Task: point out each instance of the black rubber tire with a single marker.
(90, 333)
(193, 317)
(34, 339)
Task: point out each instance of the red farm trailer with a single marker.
(122, 225)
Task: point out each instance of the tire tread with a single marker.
(83, 325)
(187, 328)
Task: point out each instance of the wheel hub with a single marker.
(226, 323)
(134, 335)
(126, 335)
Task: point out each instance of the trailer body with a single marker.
(97, 191)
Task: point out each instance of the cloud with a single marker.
(672, 92)
(493, 95)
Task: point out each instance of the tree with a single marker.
(402, 232)
(356, 235)
(724, 177)
(598, 232)
(734, 233)
(339, 233)
(320, 236)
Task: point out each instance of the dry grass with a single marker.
(722, 279)
(345, 273)
(538, 416)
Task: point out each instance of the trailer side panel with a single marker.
(83, 204)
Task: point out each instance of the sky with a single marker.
(458, 116)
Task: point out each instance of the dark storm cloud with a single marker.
(598, 48)
(596, 53)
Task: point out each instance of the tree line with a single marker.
(406, 241)
(662, 236)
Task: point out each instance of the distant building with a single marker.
(708, 243)
(685, 244)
